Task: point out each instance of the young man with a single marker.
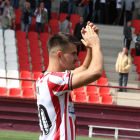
(55, 107)
(123, 65)
(127, 35)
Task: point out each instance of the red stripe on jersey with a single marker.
(58, 88)
(75, 128)
(65, 115)
(56, 104)
(71, 127)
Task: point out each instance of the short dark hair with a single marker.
(62, 40)
(68, 17)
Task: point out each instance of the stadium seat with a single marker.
(24, 67)
(10, 41)
(137, 29)
(22, 51)
(93, 83)
(9, 33)
(1, 41)
(28, 93)
(106, 100)
(54, 30)
(2, 57)
(21, 34)
(81, 89)
(102, 81)
(44, 36)
(136, 23)
(139, 77)
(81, 98)
(74, 24)
(23, 58)
(44, 44)
(34, 43)
(35, 51)
(74, 18)
(36, 59)
(104, 91)
(54, 15)
(71, 94)
(133, 52)
(11, 57)
(93, 99)
(33, 26)
(26, 85)
(82, 55)
(11, 49)
(76, 64)
(33, 35)
(45, 53)
(91, 90)
(37, 67)
(136, 60)
(14, 92)
(46, 28)
(21, 42)
(12, 65)
(35, 86)
(3, 83)
(2, 73)
(138, 69)
(36, 75)
(18, 12)
(25, 75)
(17, 23)
(103, 75)
(62, 16)
(3, 91)
(53, 23)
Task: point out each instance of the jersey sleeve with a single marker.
(60, 82)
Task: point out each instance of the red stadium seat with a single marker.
(45, 53)
(138, 69)
(139, 77)
(25, 75)
(136, 23)
(76, 64)
(35, 51)
(18, 23)
(74, 18)
(137, 29)
(102, 81)
(35, 86)
(33, 35)
(133, 52)
(81, 98)
(93, 99)
(46, 28)
(34, 44)
(54, 23)
(21, 34)
(91, 90)
(81, 89)
(54, 15)
(3, 91)
(22, 51)
(21, 42)
(37, 68)
(136, 60)
(23, 58)
(36, 59)
(28, 93)
(26, 84)
(18, 12)
(103, 75)
(106, 100)
(74, 24)
(62, 16)
(104, 91)
(82, 55)
(46, 62)
(44, 36)
(54, 30)
(24, 67)
(36, 75)
(14, 92)
(44, 44)
(93, 83)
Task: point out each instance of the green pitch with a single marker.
(15, 135)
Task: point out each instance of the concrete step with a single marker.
(115, 82)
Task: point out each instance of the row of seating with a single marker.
(136, 25)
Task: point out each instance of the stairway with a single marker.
(112, 42)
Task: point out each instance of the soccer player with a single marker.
(55, 107)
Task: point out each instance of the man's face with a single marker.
(69, 57)
(42, 5)
(129, 23)
(81, 19)
(125, 50)
(26, 6)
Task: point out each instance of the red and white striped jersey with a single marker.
(55, 107)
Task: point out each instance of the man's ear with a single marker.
(59, 55)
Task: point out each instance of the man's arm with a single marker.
(129, 63)
(126, 34)
(95, 68)
(135, 39)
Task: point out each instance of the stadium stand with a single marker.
(106, 100)
(93, 99)
(14, 92)
(54, 15)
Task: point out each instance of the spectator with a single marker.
(41, 17)
(79, 7)
(137, 44)
(71, 7)
(32, 6)
(123, 65)
(26, 14)
(64, 6)
(8, 15)
(96, 10)
(15, 3)
(77, 32)
(104, 6)
(64, 27)
(86, 9)
(127, 35)
(129, 9)
(119, 9)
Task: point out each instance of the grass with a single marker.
(16, 135)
